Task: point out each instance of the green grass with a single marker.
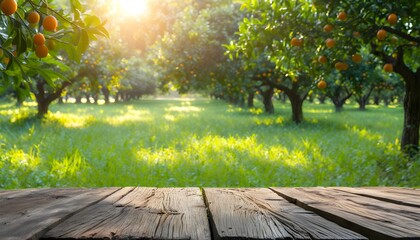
(201, 143)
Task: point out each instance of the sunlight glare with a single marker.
(133, 7)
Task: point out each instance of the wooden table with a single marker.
(210, 213)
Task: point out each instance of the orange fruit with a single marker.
(8, 7)
(342, 16)
(41, 51)
(295, 42)
(6, 60)
(322, 59)
(381, 34)
(356, 34)
(357, 58)
(33, 17)
(39, 39)
(50, 23)
(338, 65)
(392, 19)
(388, 67)
(330, 42)
(328, 28)
(322, 84)
(341, 66)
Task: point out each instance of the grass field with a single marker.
(201, 143)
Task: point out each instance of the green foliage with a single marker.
(190, 56)
(200, 143)
(366, 17)
(19, 63)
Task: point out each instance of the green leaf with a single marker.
(77, 14)
(91, 20)
(71, 51)
(103, 31)
(76, 6)
(84, 42)
(61, 65)
(51, 75)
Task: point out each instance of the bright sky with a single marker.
(133, 7)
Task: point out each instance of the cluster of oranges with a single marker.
(330, 43)
(357, 58)
(392, 19)
(49, 23)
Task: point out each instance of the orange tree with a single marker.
(190, 57)
(37, 36)
(282, 32)
(390, 30)
(390, 90)
(296, 33)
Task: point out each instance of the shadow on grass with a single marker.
(200, 147)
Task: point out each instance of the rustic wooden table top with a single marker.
(211, 213)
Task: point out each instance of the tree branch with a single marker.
(401, 34)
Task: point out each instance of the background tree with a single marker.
(191, 55)
(282, 32)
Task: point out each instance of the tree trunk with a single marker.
(386, 101)
(339, 106)
(322, 98)
(95, 98)
(363, 100)
(410, 134)
(43, 99)
(376, 99)
(339, 97)
(43, 108)
(297, 104)
(251, 100)
(268, 100)
(105, 92)
(241, 101)
(362, 105)
(78, 99)
(339, 103)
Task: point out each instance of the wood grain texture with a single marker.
(371, 217)
(403, 196)
(28, 214)
(140, 213)
(262, 214)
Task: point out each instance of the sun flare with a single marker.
(133, 7)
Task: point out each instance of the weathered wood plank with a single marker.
(403, 196)
(371, 217)
(28, 214)
(262, 214)
(15, 193)
(143, 213)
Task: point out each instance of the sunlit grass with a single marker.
(201, 143)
